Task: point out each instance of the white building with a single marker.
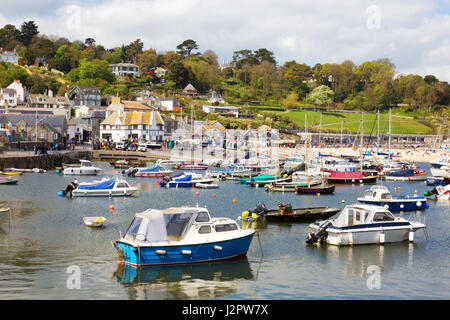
(170, 104)
(221, 109)
(125, 69)
(22, 93)
(136, 125)
(8, 97)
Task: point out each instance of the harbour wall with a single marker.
(47, 162)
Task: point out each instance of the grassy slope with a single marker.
(331, 121)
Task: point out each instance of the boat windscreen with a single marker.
(176, 223)
(134, 227)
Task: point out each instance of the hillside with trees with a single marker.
(253, 75)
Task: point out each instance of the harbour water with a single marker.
(45, 244)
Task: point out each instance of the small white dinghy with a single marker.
(94, 222)
(206, 185)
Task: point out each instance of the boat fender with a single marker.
(218, 248)
(245, 214)
(382, 236)
(402, 206)
(419, 204)
(411, 235)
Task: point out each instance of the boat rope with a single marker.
(259, 241)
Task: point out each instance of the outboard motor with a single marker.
(321, 233)
(260, 210)
(72, 186)
(430, 193)
(165, 180)
(132, 172)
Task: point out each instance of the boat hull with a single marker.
(408, 205)
(81, 172)
(103, 193)
(370, 179)
(315, 190)
(371, 235)
(184, 254)
(421, 177)
(301, 215)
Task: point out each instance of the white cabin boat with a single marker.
(104, 188)
(363, 224)
(86, 168)
(443, 171)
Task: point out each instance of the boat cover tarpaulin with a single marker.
(183, 178)
(152, 169)
(108, 184)
(345, 175)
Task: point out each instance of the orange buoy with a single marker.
(213, 195)
(197, 193)
(111, 207)
(234, 201)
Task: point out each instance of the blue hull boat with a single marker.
(181, 236)
(185, 254)
(381, 196)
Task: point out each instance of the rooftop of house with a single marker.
(45, 99)
(133, 118)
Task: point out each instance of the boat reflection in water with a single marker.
(193, 281)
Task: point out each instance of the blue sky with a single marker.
(413, 34)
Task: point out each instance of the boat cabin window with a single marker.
(385, 196)
(204, 229)
(368, 193)
(202, 217)
(383, 216)
(350, 215)
(176, 223)
(226, 227)
(86, 164)
(122, 185)
(134, 226)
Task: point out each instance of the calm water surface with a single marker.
(47, 235)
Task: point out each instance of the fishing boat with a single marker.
(103, 188)
(288, 186)
(381, 196)
(440, 192)
(184, 180)
(411, 174)
(86, 168)
(34, 170)
(181, 235)
(94, 222)
(8, 180)
(259, 183)
(285, 213)
(363, 224)
(151, 172)
(264, 177)
(321, 188)
(192, 166)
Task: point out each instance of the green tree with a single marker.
(134, 49)
(178, 74)
(9, 37)
(320, 96)
(27, 31)
(185, 48)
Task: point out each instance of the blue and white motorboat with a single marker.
(437, 181)
(410, 174)
(181, 235)
(363, 224)
(103, 188)
(148, 172)
(184, 180)
(381, 196)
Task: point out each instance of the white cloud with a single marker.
(413, 34)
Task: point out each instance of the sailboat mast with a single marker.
(306, 150)
(389, 141)
(362, 132)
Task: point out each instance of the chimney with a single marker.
(115, 100)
